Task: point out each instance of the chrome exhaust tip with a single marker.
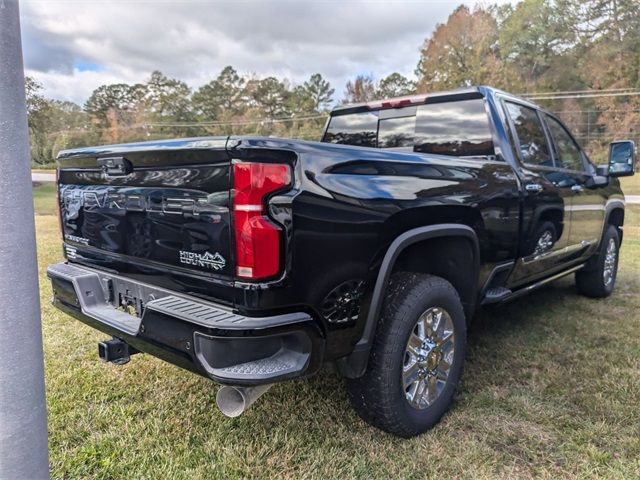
(234, 401)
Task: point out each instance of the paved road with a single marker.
(51, 177)
(43, 177)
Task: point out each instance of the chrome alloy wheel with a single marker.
(609, 271)
(428, 358)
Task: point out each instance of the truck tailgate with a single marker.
(162, 216)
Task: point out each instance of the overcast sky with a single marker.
(73, 46)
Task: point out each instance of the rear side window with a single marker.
(359, 129)
(532, 141)
(566, 149)
(454, 128)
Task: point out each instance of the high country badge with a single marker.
(214, 261)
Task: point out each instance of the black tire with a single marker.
(379, 396)
(543, 229)
(590, 281)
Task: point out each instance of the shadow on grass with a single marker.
(522, 312)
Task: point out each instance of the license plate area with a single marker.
(129, 297)
(130, 303)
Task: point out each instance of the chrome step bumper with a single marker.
(219, 343)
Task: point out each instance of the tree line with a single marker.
(535, 46)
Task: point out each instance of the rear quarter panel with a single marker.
(350, 203)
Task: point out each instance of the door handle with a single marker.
(533, 187)
(577, 188)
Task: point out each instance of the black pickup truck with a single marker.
(255, 260)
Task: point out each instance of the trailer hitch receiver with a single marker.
(115, 351)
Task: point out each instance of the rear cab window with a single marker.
(455, 128)
(397, 131)
(360, 129)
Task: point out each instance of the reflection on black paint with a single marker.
(145, 223)
(400, 169)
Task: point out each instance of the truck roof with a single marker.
(465, 93)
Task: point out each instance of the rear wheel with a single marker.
(417, 357)
(598, 278)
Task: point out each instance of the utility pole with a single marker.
(23, 417)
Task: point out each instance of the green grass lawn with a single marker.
(551, 389)
(44, 198)
(631, 185)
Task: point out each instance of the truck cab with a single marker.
(565, 200)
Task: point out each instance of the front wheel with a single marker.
(417, 357)
(598, 278)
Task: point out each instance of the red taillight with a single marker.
(257, 238)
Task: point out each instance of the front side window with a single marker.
(359, 129)
(567, 151)
(458, 128)
(532, 141)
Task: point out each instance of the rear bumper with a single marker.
(197, 335)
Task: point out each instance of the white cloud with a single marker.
(77, 85)
(66, 41)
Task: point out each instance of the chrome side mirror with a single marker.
(622, 158)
